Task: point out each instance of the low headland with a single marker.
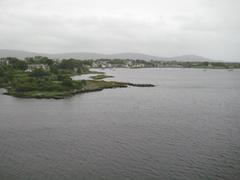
(40, 77)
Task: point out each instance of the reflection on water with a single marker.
(187, 127)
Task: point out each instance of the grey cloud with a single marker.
(202, 28)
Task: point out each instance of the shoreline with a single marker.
(91, 86)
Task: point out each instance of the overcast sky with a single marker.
(209, 28)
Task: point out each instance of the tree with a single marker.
(39, 73)
(1, 71)
(16, 63)
(67, 82)
(205, 63)
(54, 69)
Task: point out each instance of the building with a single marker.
(32, 67)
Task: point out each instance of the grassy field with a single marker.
(89, 86)
(100, 76)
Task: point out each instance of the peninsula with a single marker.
(41, 77)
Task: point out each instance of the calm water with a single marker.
(187, 127)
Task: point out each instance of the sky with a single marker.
(166, 28)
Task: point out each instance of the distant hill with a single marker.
(86, 55)
(16, 53)
(189, 58)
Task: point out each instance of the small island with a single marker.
(41, 77)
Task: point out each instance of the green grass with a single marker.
(92, 85)
(89, 86)
(100, 76)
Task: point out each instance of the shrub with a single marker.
(39, 73)
(67, 82)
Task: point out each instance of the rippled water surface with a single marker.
(187, 127)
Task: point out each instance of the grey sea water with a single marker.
(187, 127)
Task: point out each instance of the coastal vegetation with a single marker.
(41, 77)
(100, 76)
(129, 63)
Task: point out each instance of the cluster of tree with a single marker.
(73, 64)
(40, 80)
(6, 74)
(39, 60)
(14, 63)
(69, 65)
(13, 74)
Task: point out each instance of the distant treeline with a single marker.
(82, 66)
(128, 63)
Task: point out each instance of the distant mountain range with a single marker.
(86, 55)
